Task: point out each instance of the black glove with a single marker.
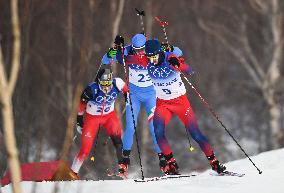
(80, 120)
(174, 61)
(119, 41)
(167, 47)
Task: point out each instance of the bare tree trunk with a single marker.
(266, 81)
(115, 29)
(149, 18)
(6, 92)
(69, 55)
(273, 74)
(71, 121)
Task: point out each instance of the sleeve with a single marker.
(86, 95)
(185, 68)
(177, 51)
(107, 61)
(121, 85)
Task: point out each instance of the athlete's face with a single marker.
(105, 89)
(154, 59)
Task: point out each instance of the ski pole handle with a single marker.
(140, 13)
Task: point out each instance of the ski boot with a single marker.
(162, 161)
(215, 164)
(124, 162)
(171, 166)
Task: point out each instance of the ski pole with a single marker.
(141, 14)
(218, 119)
(191, 148)
(132, 114)
(163, 24)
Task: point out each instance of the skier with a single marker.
(163, 68)
(141, 89)
(97, 109)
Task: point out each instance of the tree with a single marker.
(6, 92)
(265, 72)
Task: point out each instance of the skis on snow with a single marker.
(164, 177)
(229, 173)
(167, 177)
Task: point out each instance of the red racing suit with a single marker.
(98, 110)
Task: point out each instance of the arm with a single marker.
(121, 85)
(85, 97)
(114, 53)
(179, 64)
(177, 51)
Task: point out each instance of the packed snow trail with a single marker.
(271, 180)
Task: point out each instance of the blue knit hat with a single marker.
(138, 41)
(152, 47)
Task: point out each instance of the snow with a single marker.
(271, 180)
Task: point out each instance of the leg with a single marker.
(90, 129)
(150, 105)
(190, 123)
(113, 129)
(161, 118)
(129, 129)
(187, 116)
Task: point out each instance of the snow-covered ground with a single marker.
(271, 163)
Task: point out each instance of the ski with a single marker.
(229, 173)
(164, 177)
(119, 175)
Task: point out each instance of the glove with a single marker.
(79, 123)
(111, 52)
(174, 61)
(79, 129)
(119, 41)
(167, 47)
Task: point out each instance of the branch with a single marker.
(259, 5)
(233, 50)
(251, 54)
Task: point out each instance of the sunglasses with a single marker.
(105, 83)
